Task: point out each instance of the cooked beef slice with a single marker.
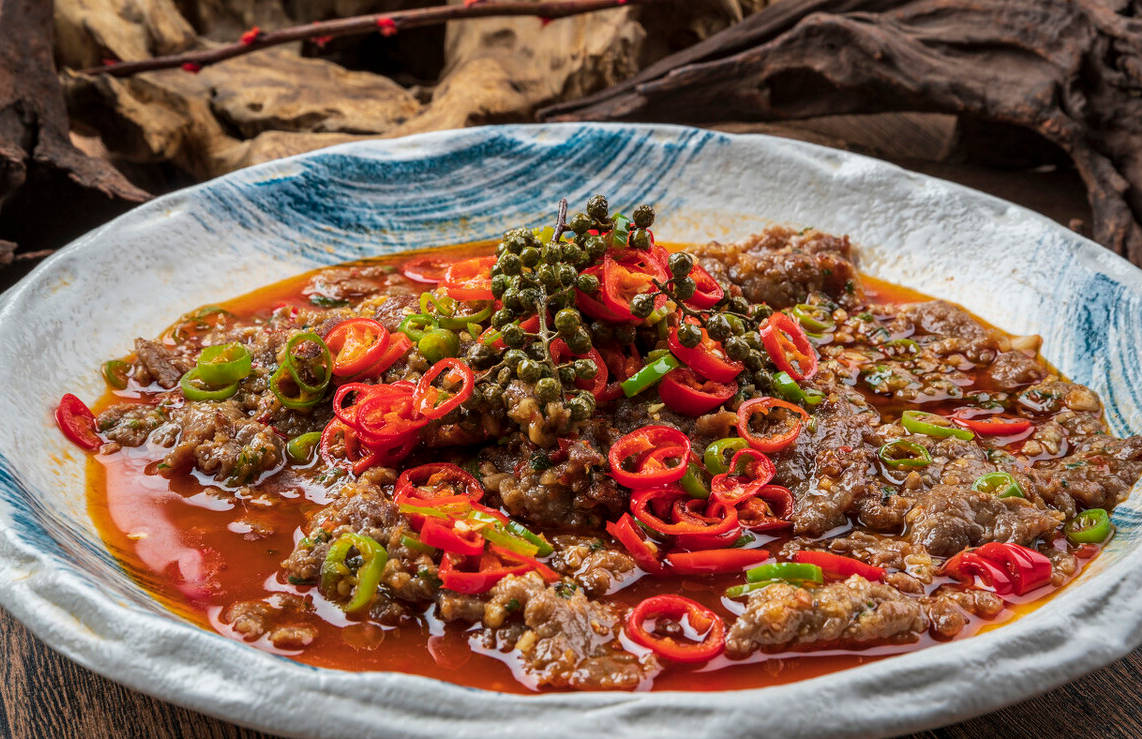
(283, 617)
(849, 613)
(1099, 475)
(220, 440)
(594, 566)
(782, 267)
(129, 424)
(159, 363)
(949, 518)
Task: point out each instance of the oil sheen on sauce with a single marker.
(169, 534)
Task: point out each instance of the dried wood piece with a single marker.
(34, 141)
(1069, 71)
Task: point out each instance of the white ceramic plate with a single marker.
(212, 242)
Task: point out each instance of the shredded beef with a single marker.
(220, 440)
(949, 518)
(160, 364)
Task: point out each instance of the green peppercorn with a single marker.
(640, 239)
(547, 389)
(585, 369)
(738, 304)
(529, 370)
(642, 305)
(762, 379)
(529, 296)
(512, 298)
(551, 253)
(595, 246)
(512, 357)
(643, 216)
(580, 411)
(580, 223)
(760, 312)
(573, 255)
(528, 279)
(515, 242)
(502, 317)
(754, 361)
(567, 321)
(752, 339)
(736, 349)
(567, 275)
(536, 351)
(680, 263)
(718, 327)
(510, 264)
(689, 335)
(504, 376)
(737, 327)
(579, 342)
(602, 331)
(513, 335)
(499, 285)
(626, 334)
(587, 283)
(548, 276)
(529, 256)
(597, 207)
(560, 299)
(566, 374)
(685, 287)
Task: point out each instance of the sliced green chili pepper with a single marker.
(715, 455)
(738, 591)
(491, 338)
(458, 322)
(788, 388)
(931, 424)
(368, 574)
(300, 448)
(296, 402)
(544, 547)
(1092, 526)
(814, 317)
(415, 326)
(898, 347)
(115, 373)
(649, 375)
(438, 344)
(325, 366)
(414, 544)
(902, 454)
(445, 305)
(496, 534)
(620, 234)
(999, 484)
(193, 388)
(790, 571)
(693, 484)
(223, 364)
(422, 510)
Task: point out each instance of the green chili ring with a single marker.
(457, 323)
(931, 424)
(788, 388)
(1092, 526)
(445, 304)
(413, 544)
(918, 455)
(814, 317)
(302, 401)
(1000, 484)
(789, 571)
(326, 363)
(542, 544)
(715, 455)
(693, 484)
(300, 448)
(223, 364)
(649, 375)
(202, 391)
(115, 372)
(416, 325)
(368, 574)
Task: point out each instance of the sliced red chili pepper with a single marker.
(357, 344)
(470, 279)
(732, 488)
(621, 281)
(560, 352)
(651, 471)
(532, 563)
(397, 348)
(765, 407)
(77, 423)
(437, 480)
(443, 535)
(992, 425)
(839, 567)
(708, 293)
(348, 413)
(708, 358)
(427, 269)
(789, 347)
(714, 561)
(427, 395)
(644, 551)
(759, 514)
(387, 413)
(706, 630)
(1006, 567)
(687, 393)
(689, 529)
(593, 305)
(491, 570)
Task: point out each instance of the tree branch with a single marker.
(385, 23)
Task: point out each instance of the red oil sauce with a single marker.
(198, 548)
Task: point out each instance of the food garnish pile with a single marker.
(589, 461)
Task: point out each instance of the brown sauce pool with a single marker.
(168, 531)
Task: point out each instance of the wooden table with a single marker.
(44, 695)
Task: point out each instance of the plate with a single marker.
(228, 236)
